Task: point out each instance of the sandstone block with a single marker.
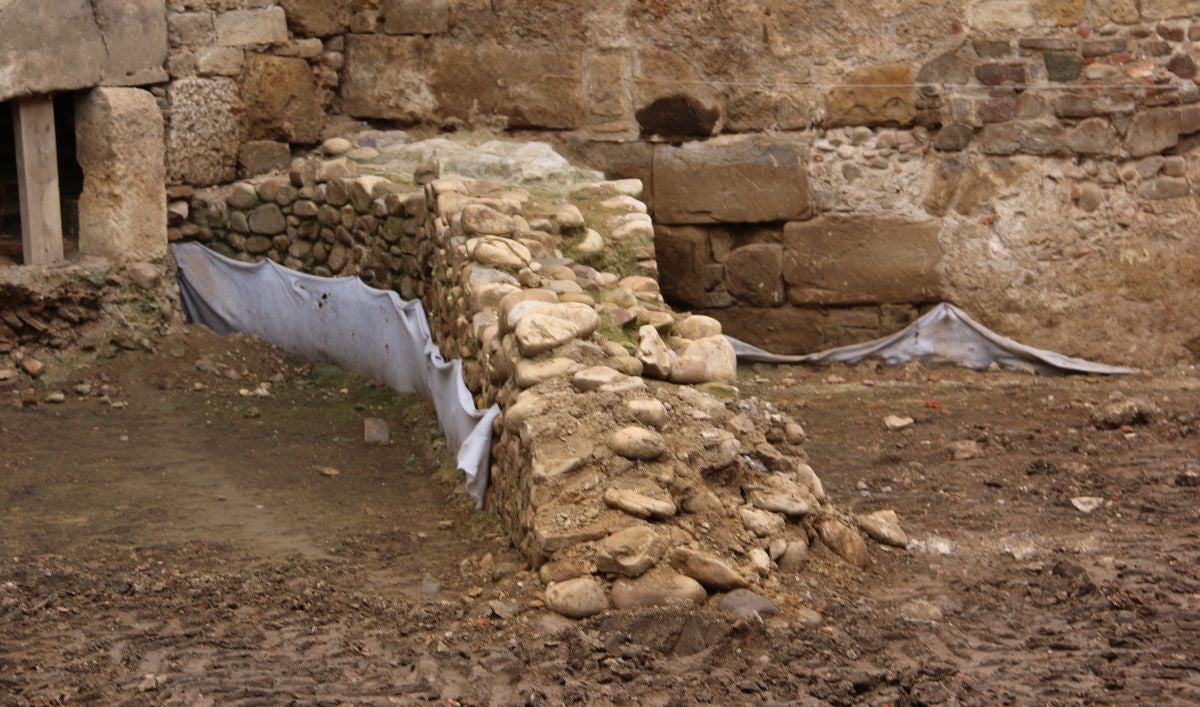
(203, 134)
(1152, 131)
(991, 15)
(135, 41)
(682, 253)
(282, 100)
(317, 18)
(754, 274)
(384, 78)
(736, 180)
(671, 99)
(245, 27)
(220, 61)
(262, 157)
(1093, 136)
(416, 16)
(81, 43)
(531, 87)
(881, 95)
(860, 259)
(949, 68)
(120, 146)
(1169, 9)
(1064, 13)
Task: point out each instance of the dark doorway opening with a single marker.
(10, 198)
(70, 174)
(70, 179)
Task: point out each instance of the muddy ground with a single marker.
(169, 537)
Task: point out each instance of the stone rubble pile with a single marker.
(627, 468)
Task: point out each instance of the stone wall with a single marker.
(822, 171)
(624, 463)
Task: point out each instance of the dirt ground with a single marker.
(168, 536)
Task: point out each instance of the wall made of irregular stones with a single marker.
(827, 169)
(624, 463)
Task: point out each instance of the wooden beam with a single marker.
(37, 177)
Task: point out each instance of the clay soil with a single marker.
(184, 547)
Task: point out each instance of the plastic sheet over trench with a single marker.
(343, 321)
(945, 335)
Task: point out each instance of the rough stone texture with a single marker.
(855, 260)
(250, 27)
(385, 78)
(119, 145)
(77, 44)
(416, 16)
(203, 131)
(525, 88)
(880, 95)
(730, 180)
(682, 254)
(257, 157)
(317, 18)
(282, 100)
(754, 274)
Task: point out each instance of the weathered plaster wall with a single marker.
(827, 168)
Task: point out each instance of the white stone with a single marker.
(630, 552)
(577, 598)
(497, 252)
(697, 326)
(637, 443)
(653, 353)
(707, 360)
(648, 412)
(642, 502)
(538, 333)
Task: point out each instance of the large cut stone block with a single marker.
(839, 260)
(135, 40)
(730, 180)
(239, 28)
(123, 208)
(384, 78)
(283, 101)
(528, 87)
(70, 44)
(416, 16)
(881, 95)
(682, 254)
(317, 18)
(203, 133)
(1169, 9)
(754, 274)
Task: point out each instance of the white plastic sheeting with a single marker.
(945, 335)
(343, 321)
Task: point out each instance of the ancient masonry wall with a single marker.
(817, 172)
(626, 467)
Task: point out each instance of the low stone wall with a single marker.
(625, 465)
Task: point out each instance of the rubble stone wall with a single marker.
(818, 170)
(627, 468)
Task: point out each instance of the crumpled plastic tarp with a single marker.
(343, 321)
(945, 335)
